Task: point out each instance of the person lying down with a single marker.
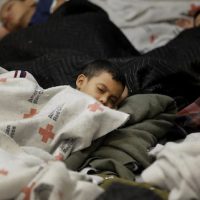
(45, 118)
(16, 14)
(39, 128)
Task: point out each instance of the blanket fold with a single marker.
(59, 119)
(176, 169)
(125, 151)
(39, 128)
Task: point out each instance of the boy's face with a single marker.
(12, 13)
(102, 87)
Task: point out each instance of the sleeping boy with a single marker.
(40, 127)
(103, 81)
(44, 118)
(15, 14)
(100, 79)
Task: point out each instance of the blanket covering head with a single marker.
(38, 129)
(58, 120)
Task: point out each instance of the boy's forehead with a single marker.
(104, 74)
(107, 79)
(102, 77)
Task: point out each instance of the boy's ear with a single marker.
(80, 81)
(30, 2)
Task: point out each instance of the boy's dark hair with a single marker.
(94, 68)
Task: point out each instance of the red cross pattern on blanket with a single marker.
(60, 194)
(3, 172)
(33, 112)
(59, 157)
(3, 80)
(95, 106)
(46, 133)
(27, 191)
(152, 38)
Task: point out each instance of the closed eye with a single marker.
(100, 90)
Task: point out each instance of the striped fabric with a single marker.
(171, 70)
(54, 52)
(80, 31)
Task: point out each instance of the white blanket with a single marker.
(38, 128)
(29, 173)
(50, 118)
(177, 169)
(149, 23)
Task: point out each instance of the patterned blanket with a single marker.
(41, 127)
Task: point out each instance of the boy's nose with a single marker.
(103, 99)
